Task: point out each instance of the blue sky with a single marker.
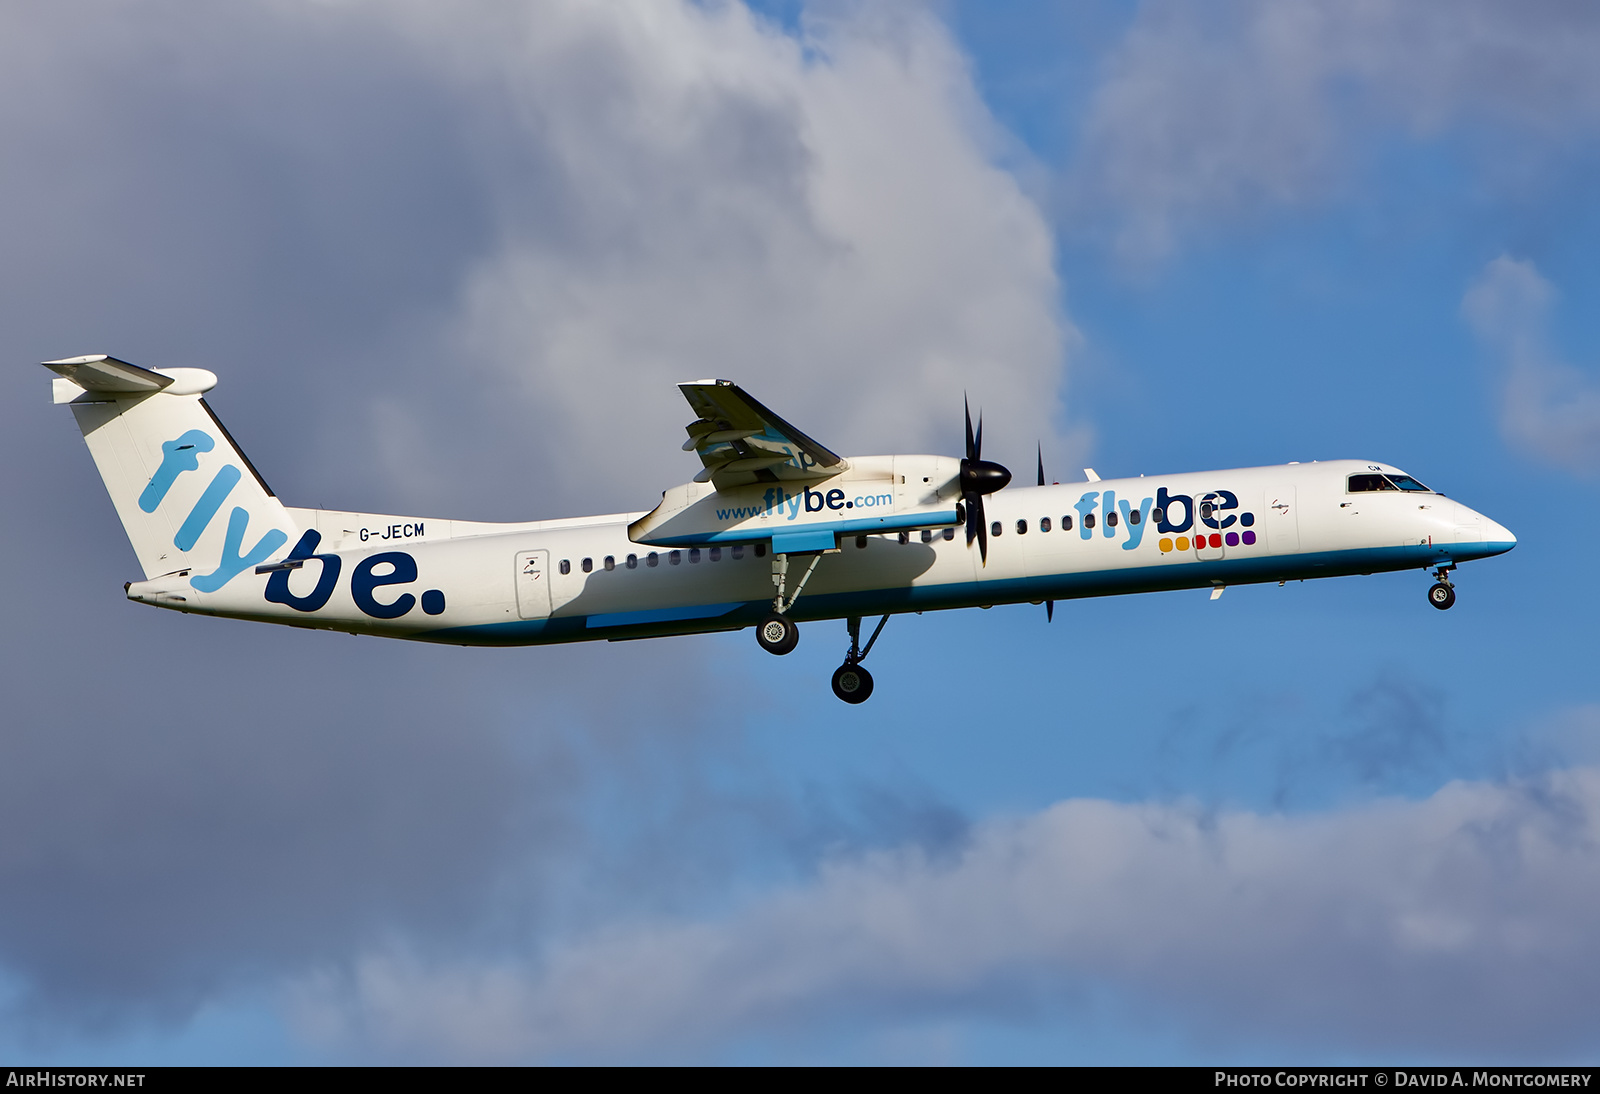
(451, 263)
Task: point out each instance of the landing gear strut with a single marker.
(777, 633)
(851, 682)
(1442, 594)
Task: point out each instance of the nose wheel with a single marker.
(1442, 594)
(777, 634)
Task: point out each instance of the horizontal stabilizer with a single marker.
(98, 377)
(101, 373)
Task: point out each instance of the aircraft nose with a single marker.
(1499, 537)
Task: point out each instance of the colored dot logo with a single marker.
(1202, 541)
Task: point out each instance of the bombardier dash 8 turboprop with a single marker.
(774, 530)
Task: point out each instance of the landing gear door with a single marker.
(533, 584)
(1208, 546)
(1281, 520)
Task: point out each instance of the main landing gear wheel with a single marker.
(778, 634)
(852, 683)
(1441, 596)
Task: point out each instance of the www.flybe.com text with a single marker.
(790, 506)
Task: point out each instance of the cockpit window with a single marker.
(1363, 484)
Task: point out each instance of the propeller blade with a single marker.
(979, 477)
(1041, 465)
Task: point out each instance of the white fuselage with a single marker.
(582, 579)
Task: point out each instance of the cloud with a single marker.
(451, 263)
(1549, 409)
(1457, 923)
(1205, 117)
(681, 191)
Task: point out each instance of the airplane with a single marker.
(775, 530)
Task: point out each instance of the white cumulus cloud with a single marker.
(1459, 923)
(683, 191)
(1208, 114)
(1548, 408)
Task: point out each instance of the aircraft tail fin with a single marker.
(189, 499)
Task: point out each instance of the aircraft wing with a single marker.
(742, 442)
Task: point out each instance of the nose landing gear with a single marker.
(1442, 594)
(851, 682)
(777, 633)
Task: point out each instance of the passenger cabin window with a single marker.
(1022, 527)
(737, 550)
(587, 565)
(1088, 520)
(633, 562)
(1133, 516)
(716, 554)
(1044, 524)
(861, 541)
(652, 559)
(566, 565)
(949, 534)
(1066, 523)
(761, 550)
(675, 557)
(694, 554)
(994, 529)
(610, 563)
(1111, 519)
(927, 535)
(1158, 515)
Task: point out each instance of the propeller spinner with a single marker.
(979, 477)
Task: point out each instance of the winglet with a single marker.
(1089, 473)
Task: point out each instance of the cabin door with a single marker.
(533, 584)
(1281, 521)
(1208, 546)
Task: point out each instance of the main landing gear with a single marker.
(1442, 594)
(851, 682)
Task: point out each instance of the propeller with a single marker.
(978, 477)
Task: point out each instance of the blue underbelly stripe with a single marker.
(1166, 576)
